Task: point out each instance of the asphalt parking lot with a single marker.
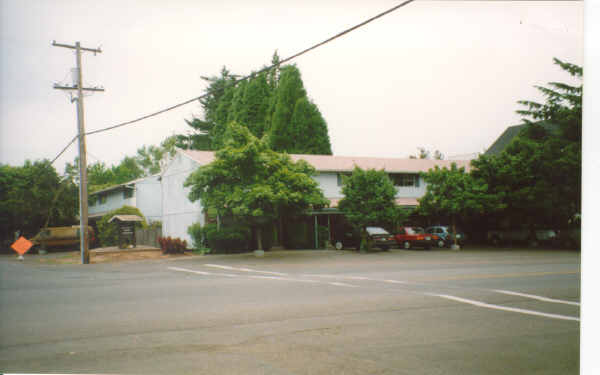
(474, 311)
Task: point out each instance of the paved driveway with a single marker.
(292, 312)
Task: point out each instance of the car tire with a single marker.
(339, 245)
(441, 243)
(406, 245)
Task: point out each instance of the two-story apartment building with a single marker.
(164, 198)
(179, 213)
(143, 193)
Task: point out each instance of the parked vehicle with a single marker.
(444, 232)
(569, 238)
(409, 237)
(61, 236)
(351, 238)
(532, 238)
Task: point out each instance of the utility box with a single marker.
(126, 229)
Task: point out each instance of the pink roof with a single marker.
(332, 163)
(334, 202)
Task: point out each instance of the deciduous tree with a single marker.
(33, 195)
(539, 173)
(369, 200)
(453, 192)
(250, 182)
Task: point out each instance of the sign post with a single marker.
(21, 246)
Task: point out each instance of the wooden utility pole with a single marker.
(83, 194)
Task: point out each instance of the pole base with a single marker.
(259, 253)
(455, 247)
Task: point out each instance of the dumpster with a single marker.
(60, 236)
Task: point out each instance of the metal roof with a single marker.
(124, 185)
(333, 163)
(126, 218)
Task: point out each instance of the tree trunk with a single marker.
(454, 230)
(259, 238)
(280, 233)
(364, 241)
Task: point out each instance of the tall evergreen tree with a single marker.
(539, 172)
(288, 92)
(250, 104)
(297, 124)
(308, 129)
(273, 104)
(202, 136)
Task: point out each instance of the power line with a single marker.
(64, 149)
(235, 82)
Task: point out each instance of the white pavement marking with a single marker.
(257, 276)
(540, 298)
(324, 276)
(201, 272)
(343, 284)
(244, 269)
(283, 279)
(354, 278)
(498, 307)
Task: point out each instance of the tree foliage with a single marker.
(426, 154)
(539, 173)
(250, 182)
(272, 104)
(32, 196)
(369, 200)
(151, 158)
(453, 193)
(108, 233)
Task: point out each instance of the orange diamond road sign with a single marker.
(22, 245)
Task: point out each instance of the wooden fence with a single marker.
(147, 237)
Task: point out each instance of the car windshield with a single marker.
(414, 230)
(376, 230)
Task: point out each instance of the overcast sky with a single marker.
(443, 75)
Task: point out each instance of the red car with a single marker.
(409, 237)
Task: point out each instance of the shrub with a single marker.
(172, 245)
(233, 238)
(157, 224)
(198, 236)
(108, 233)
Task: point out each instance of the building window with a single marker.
(92, 200)
(127, 193)
(102, 198)
(405, 179)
